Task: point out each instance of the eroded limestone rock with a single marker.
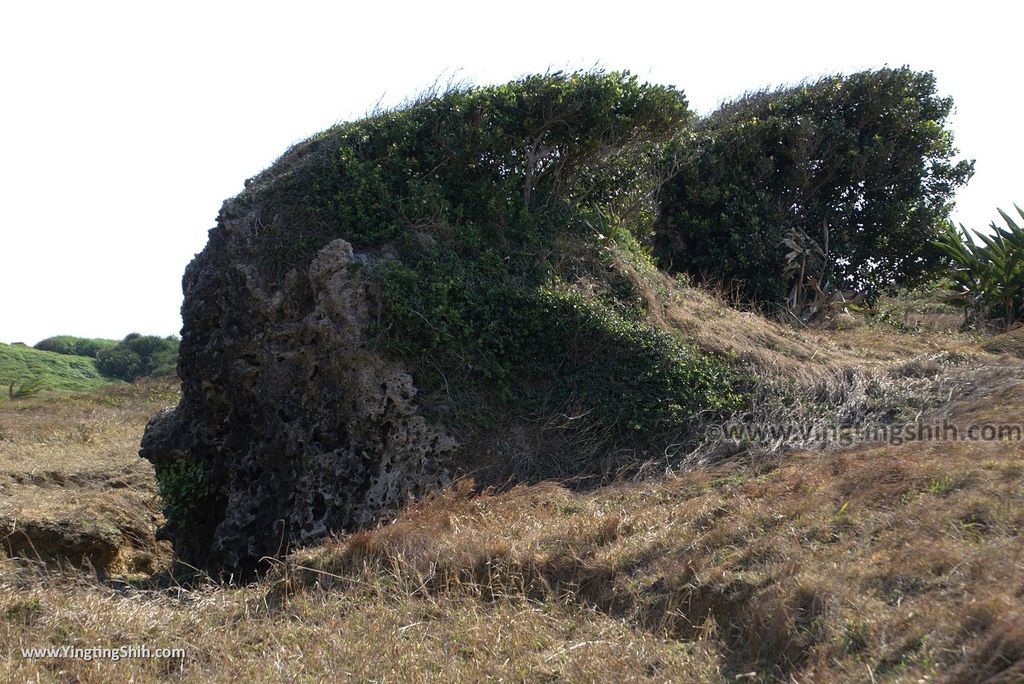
(292, 423)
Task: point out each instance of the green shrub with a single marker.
(494, 166)
(120, 363)
(133, 357)
(865, 158)
(25, 389)
(988, 276)
(138, 356)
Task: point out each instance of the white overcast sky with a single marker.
(123, 126)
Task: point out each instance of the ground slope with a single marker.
(874, 563)
(58, 372)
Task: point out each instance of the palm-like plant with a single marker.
(25, 389)
(988, 275)
(810, 266)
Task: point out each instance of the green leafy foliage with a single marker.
(133, 357)
(120, 363)
(491, 164)
(183, 485)
(548, 347)
(866, 158)
(506, 213)
(139, 355)
(988, 272)
(24, 389)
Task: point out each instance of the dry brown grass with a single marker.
(373, 631)
(874, 563)
(1011, 343)
(72, 483)
(804, 354)
(886, 563)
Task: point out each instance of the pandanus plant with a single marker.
(810, 267)
(988, 269)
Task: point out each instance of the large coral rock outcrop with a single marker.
(290, 425)
(420, 294)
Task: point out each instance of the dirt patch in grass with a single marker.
(72, 487)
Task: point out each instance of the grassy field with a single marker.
(57, 372)
(872, 563)
(71, 483)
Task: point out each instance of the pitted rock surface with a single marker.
(300, 428)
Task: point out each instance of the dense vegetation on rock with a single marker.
(456, 285)
(466, 285)
(496, 202)
(860, 166)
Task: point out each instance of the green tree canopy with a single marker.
(867, 155)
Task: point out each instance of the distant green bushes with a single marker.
(139, 355)
(133, 357)
(76, 346)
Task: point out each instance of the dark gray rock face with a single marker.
(296, 426)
